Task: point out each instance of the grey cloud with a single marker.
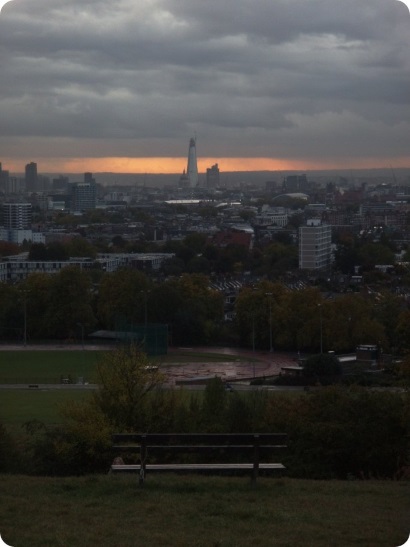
(286, 77)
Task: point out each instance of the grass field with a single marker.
(191, 511)
(20, 406)
(43, 367)
(48, 366)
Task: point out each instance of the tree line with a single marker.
(75, 302)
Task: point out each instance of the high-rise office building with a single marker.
(16, 224)
(31, 177)
(315, 245)
(295, 183)
(60, 183)
(16, 216)
(192, 170)
(84, 194)
(212, 177)
(89, 179)
(4, 179)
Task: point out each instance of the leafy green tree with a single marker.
(303, 317)
(404, 374)
(185, 253)
(8, 249)
(125, 377)
(121, 298)
(371, 254)
(214, 405)
(164, 301)
(38, 251)
(278, 257)
(37, 290)
(196, 242)
(199, 264)
(70, 303)
(322, 364)
(173, 266)
(387, 310)
(259, 309)
(122, 403)
(11, 312)
(57, 251)
(346, 257)
(80, 247)
(350, 321)
(232, 254)
(8, 451)
(403, 332)
(192, 309)
(336, 432)
(61, 251)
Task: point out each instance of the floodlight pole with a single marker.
(82, 333)
(269, 294)
(321, 328)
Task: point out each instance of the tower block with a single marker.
(192, 169)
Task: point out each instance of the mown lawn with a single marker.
(109, 511)
(38, 366)
(18, 406)
(47, 366)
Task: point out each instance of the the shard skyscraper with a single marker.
(192, 169)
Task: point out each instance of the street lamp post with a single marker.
(25, 320)
(82, 333)
(269, 294)
(24, 292)
(253, 332)
(145, 293)
(321, 328)
(253, 341)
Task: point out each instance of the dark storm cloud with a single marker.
(290, 78)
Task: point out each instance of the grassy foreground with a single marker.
(19, 406)
(197, 511)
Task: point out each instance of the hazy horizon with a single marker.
(387, 174)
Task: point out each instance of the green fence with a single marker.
(151, 338)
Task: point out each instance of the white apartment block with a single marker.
(272, 216)
(315, 241)
(17, 268)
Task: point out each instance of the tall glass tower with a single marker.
(192, 170)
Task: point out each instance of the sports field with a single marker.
(51, 367)
(47, 367)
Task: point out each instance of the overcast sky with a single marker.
(300, 82)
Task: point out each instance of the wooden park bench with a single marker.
(222, 450)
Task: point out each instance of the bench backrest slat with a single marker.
(200, 438)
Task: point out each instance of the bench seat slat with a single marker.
(196, 447)
(194, 466)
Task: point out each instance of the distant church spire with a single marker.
(192, 169)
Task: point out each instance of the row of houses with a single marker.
(16, 268)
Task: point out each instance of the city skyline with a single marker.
(97, 86)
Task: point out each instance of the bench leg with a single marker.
(141, 476)
(143, 456)
(255, 469)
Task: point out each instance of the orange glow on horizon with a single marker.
(163, 165)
